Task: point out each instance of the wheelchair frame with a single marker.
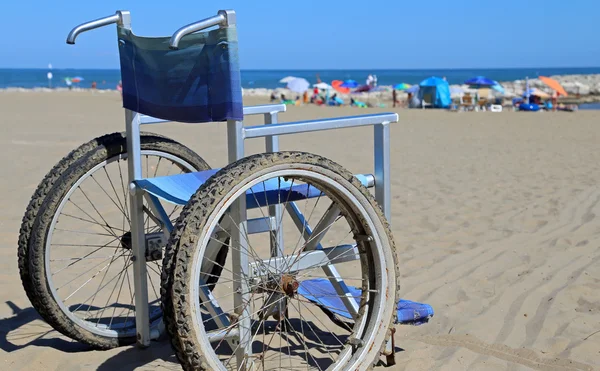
(237, 133)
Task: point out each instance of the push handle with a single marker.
(120, 17)
(224, 18)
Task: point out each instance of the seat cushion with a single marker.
(178, 189)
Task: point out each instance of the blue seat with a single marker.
(178, 189)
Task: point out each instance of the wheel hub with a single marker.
(155, 242)
(289, 285)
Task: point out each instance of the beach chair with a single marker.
(277, 258)
(427, 100)
(483, 98)
(467, 102)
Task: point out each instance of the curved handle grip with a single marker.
(121, 17)
(224, 18)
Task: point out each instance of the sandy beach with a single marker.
(496, 218)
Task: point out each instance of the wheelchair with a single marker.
(281, 259)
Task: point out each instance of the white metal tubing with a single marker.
(334, 277)
(305, 260)
(382, 168)
(322, 227)
(101, 22)
(264, 109)
(248, 111)
(216, 313)
(229, 334)
(256, 225)
(240, 260)
(159, 211)
(193, 27)
(276, 211)
(261, 225)
(318, 125)
(138, 238)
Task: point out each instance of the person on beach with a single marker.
(554, 100)
(120, 87)
(394, 97)
(273, 97)
(94, 85)
(305, 97)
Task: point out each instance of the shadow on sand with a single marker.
(18, 332)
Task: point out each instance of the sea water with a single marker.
(108, 79)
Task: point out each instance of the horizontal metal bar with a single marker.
(218, 335)
(250, 110)
(260, 225)
(264, 108)
(305, 260)
(256, 225)
(318, 125)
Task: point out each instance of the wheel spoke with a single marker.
(95, 215)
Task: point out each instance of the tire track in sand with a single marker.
(525, 357)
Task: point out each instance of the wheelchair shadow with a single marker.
(26, 328)
(159, 356)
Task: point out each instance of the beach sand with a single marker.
(496, 218)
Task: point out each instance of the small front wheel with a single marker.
(311, 278)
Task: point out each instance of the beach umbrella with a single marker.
(536, 92)
(351, 84)
(401, 86)
(287, 79)
(337, 86)
(298, 85)
(554, 85)
(499, 88)
(77, 79)
(412, 89)
(322, 85)
(480, 81)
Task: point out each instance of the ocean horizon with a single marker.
(254, 78)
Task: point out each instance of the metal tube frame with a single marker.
(236, 134)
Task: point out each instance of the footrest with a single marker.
(321, 292)
(178, 189)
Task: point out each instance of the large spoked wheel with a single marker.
(315, 290)
(75, 256)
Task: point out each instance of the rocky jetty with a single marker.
(582, 88)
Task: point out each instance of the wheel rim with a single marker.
(102, 275)
(372, 304)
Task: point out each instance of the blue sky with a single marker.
(325, 34)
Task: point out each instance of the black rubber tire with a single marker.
(42, 208)
(42, 190)
(179, 321)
